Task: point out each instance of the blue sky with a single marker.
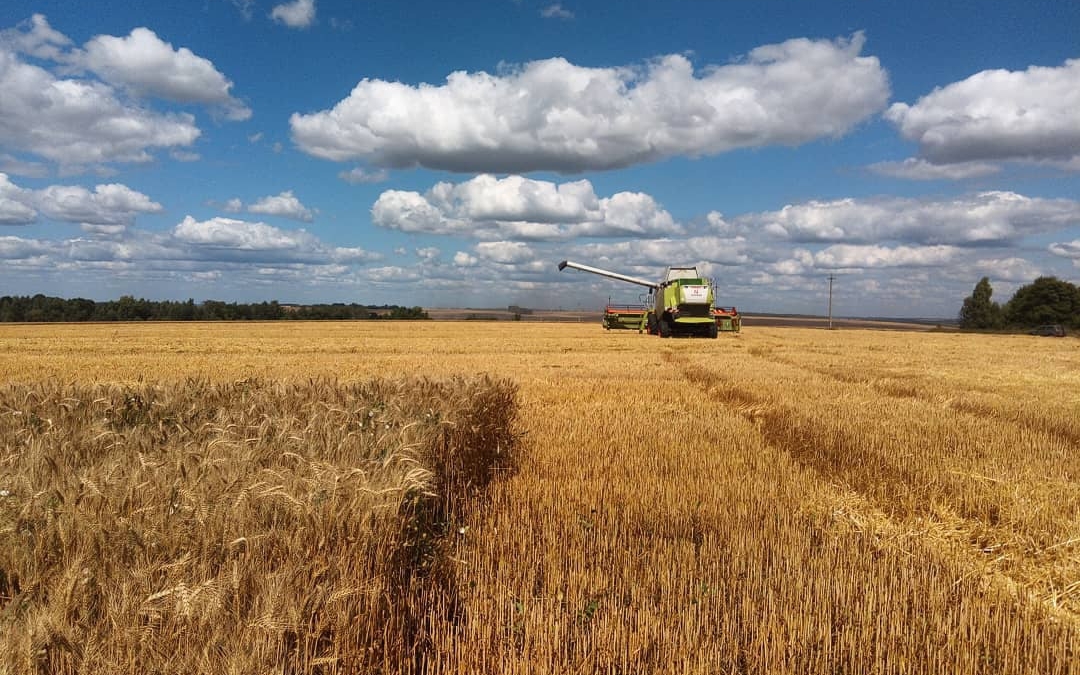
(451, 154)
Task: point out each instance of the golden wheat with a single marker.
(786, 500)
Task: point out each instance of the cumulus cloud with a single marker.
(81, 122)
(14, 207)
(428, 253)
(504, 252)
(988, 217)
(295, 14)
(112, 204)
(648, 257)
(914, 168)
(239, 251)
(285, 204)
(229, 238)
(521, 208)
(463, 259)
(239, 234)
(18, 248)
(846, 256)
(358, 176)
(1069, 249)
(997, 115)
(77, 122)
(555, 115)
(1012, 269)
(149, 66)
(36, 38)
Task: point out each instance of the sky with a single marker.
(450, 154)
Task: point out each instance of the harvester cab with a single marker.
(683, 304)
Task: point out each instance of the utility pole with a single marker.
(831, 277)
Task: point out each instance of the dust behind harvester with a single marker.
(682, 304)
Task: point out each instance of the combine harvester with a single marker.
(683, 305)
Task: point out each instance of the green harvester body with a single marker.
(683, 304)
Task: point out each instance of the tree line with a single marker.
(1047, 300)
(44, 308)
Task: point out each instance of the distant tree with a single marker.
(408, 313)
(128, 308)
(1045, 300)
(979, 311)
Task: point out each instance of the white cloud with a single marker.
(295, 14)
(846, 256)
(56, 110)
(997, 115)
(231, 239)
(428, 253)
(521, 208)
(653, 255)
(14, 204)
(229, 233)
(359, 176)
(718, 224)
(556, 11)
(103, 230)
(242, 252)
(1013, 269)
(1069, 249)
(17, 248)
(504, 252)
(987, 217)
(233, 205)
(285, 204)
(35, 37)
(410, 212)
(463, 259)
(77, 122)
(914, 168)
(149, 66)
(111, 204)
(554, 115)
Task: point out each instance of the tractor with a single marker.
(682, 305)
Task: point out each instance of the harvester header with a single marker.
(683, 304)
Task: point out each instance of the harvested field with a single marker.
(782, 501)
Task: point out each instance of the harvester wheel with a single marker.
(665, 328)
(714, 332)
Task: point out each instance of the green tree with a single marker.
(979, 311)
(1045, 300)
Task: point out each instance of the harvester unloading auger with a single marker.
(683, 304)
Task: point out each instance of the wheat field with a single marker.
(780, 501)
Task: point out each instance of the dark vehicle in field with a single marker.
(1049, 330)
